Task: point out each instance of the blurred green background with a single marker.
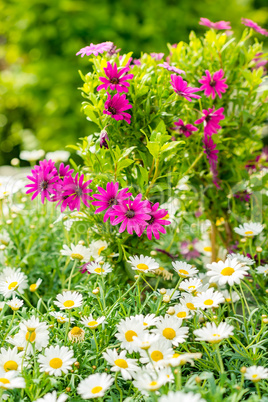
(40, 103)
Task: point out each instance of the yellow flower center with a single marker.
(255, 376)
(145, 324)
(156, 355)
(55, 363)
(129, 335)
(98, 270)
(228, 271)
(169, 333)
(68, 303)
(33, 287)
(191, 287)
(181, 314)
(249, 232)
(153, 383)
(101, 249)
(12, 285)
(10, 365)
(77, 256)
(208, 249)
(96, 390)
(142, 267)
(208, 302)
(4, 381)
(121, 363)
(175, 355)
(228, 299)
(30, 336)
(76, 331)
(183, 272)
(92, 323)
(190, 306)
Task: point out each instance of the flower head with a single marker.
(221, 25)
(168, 67)
(262, 270)
(61, 317)
(17, 281)
(95, 49)
(143, 263)
(15, 303)
(121, 363)
(44, 176)
(157, 56)
(155, 224)
(256, 373)
(213, 333)
(208, 299)
(103, 139)
(10, 359)
(191, 285)
(210, 150)
(181, 396)
(99, 268)
(116, 106)
(230, 271)
(74, 190)
(95, 385)
(76, 334)
(158, 352)
(91, 322)
(52, 397)
(181, 88)
(249, 229)
(183, 269)
(253, 25)
(68, 300)
(170, 329)
(11, 380)
(117, 80)
(56, 360)
(214, 84)
(78, 252)
(211, 118)
(129, 328)
(188, 249)
(185, 129)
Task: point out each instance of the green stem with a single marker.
(95, 339)
(258, 390)
(71, 274)
(194, 163)
(117, 386)
(10, 325)
(178, 379)
(219, 358)
(67, 326)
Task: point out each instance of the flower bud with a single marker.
(198, 380)
(81, 242)
(243, 370)
(103, 139)
(163, 291)
(243, 240)
(95, 291)
(258, 249)
(265, 320)
(68, 389)
(171, 311)
(136, 277)
(166, 298)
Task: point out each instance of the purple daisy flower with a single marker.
(171, 68)
(109, 198)
(185, 129)
(188, 249)
(116, 106)
(181, 88)
(157, 56)
(103, 139)
(253, 25)
(211, 119)
(116, 79)
(214, 84)
(131, 214)
(95, 49)
(74, 191)
(137, 62)
(210, 150)
(44, 176)
(156, 222)
(221, 25)
(64, 171)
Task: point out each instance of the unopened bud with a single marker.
(263, 316)
(250, 280)
(266, 291)
(265, 320)
(77, 364)
(243, 370)
(166, 298)
(136, 277)
(153, 252)
(162, 291)
(2, 247)
(171, 311)
(94, 367)
(81, 242)
(258, 249)
(32, 226)
(95, 291)
(9, 221)
(15, 162)
(68, 389)
(197, 379)
(243, 240)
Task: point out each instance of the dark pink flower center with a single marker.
(212, 83)
(112, 201)
(112, 110)
(114, 80)
(44, 185)
(130, 214)
(151, 221)
(79, 192)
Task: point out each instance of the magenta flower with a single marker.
(74, 191)
(116, 106)
(210, 150)
(64, 171)
(243, 195)
(131, 214)
(137, 62)
(109, 198)
(157, 56)
(171, 68)
(211, 119)
(103, 139)
(221, 25)
(95, 49)
(116, 79)
(213, 85)
(156, 222)
(185, 129)
(253, 25)
(215, 178)
(181, 88)
(44, 176)
(188, 249)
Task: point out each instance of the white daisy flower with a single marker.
(256, 373)
(76, 334)
(99, 268)
(230, 296)
(229, 271)
(11, 380)
(209, 299)
(149, 381)
(181, 311)
(94, 386)
(121, 363)
(52, 397)
(157, 353)
(7, 271)
(15, 303)
(10, 359)
(241, 258)
(146, 340)
(170, 328)
(188, 300)
(128, 328)
(61, 317)
(58, 156)
(15, 282)
(249, 229)
(91, 323)
(143, 263)
(191, 285)
(262, 269)
(31, 331)
(32, 156)
(96, 248)
(79, 252)
(180, 359)
(174, 294)
(183, 269)
(68, 300)
(213, 333)
(56, 360)
(35, 286)
(181, 396)
(149, 320)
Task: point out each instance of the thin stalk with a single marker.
(71, 274)
(117, 386)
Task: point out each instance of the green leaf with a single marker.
(154, 148)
